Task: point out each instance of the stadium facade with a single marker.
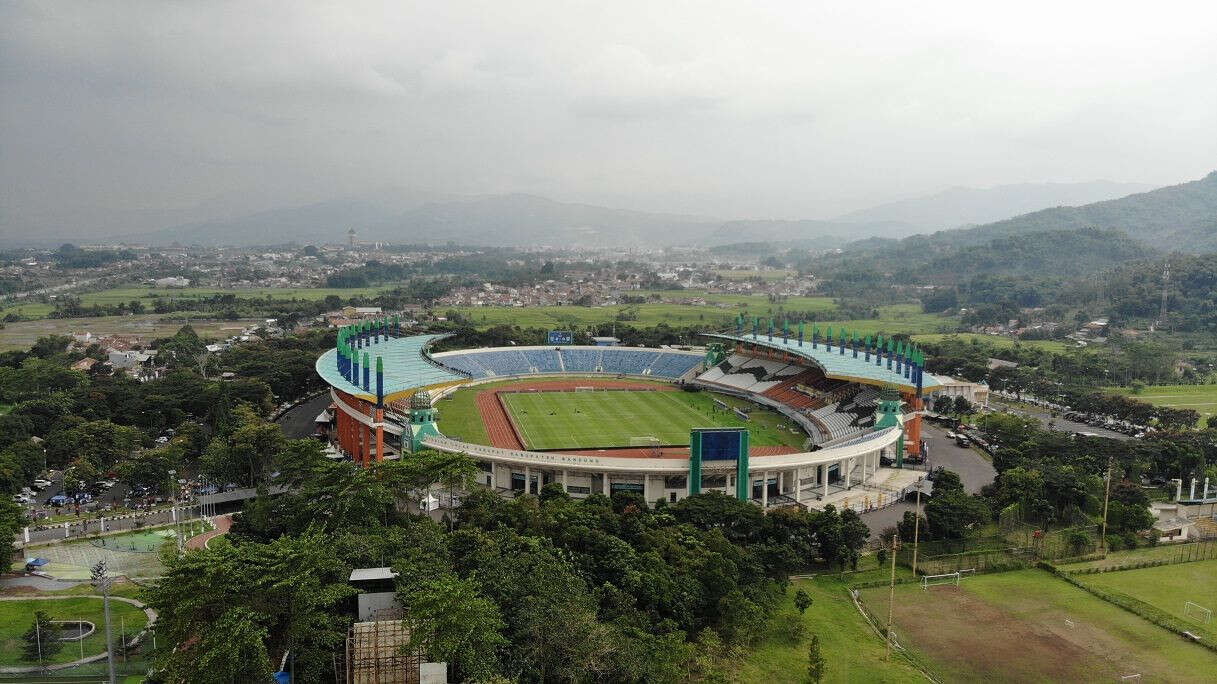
(858, 400)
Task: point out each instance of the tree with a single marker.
(41, 639)
(815, 660)
(802, 601)
(962, 405)
(452, 622)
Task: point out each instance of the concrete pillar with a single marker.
(781, 482)
(1192, 495)
(765, 490)
(565, 479)
(173, 512)
(798, 485)
(824, 480)
(494, 475)
(1178, 489)
(848, 465)
(102, 524)
(605, 484)
(527, 480)
(26, 532)
(66, 534)
(646, 487)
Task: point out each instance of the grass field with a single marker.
(852, 650)
(1166, 588)
(1013, 627)
(17, 616)
(133, 554)
(1162, 552)
(602, 419)
(1200, 398)
(23, 334)
(999, 341)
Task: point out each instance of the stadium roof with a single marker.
(836, 365)
(406, 368)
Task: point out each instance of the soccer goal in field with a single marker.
(928, 581)
(585, 389)
(648, 442)
(1197, 613)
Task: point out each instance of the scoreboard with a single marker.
(720, 444)
(561, 337)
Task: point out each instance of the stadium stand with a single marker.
(625, 361)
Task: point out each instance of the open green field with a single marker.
(999, 341)
(23, 334)
(17, 616)
(1167, 588)
(853, 651)
(603, 419)
(1030, 626)
(1200, 398)
(1176, 553)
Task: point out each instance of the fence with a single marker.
(1150, 558)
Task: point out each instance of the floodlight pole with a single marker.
(1106, 497)
(916, 526)
(891, 600)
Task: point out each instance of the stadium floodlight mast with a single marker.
(102, 580)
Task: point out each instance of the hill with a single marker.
(1176, 218)
(957, 207)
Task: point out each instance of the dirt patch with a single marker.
(965, 634)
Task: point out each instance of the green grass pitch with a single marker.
(603, 419)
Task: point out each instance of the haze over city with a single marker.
(122, 118)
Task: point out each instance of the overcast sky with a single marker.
(139, 113)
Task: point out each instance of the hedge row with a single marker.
(1135, 606)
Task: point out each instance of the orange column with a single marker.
(380, 434)
(912, 445)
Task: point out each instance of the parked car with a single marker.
(41, 484)
(57, 500)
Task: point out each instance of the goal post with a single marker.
(1197, 613)
(928, 581)
(585, 388)
(647, 441)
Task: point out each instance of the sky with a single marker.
(118, 117)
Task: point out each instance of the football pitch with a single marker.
(605, 419)
(1200, 398)
(1030, 626)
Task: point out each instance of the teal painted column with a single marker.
(743, 482)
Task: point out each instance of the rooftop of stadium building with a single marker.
(836, 365)
(406, 367)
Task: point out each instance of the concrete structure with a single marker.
(395, 415)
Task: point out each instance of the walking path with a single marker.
(222, 525)
(82, 661)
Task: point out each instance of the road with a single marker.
(974, 470)
(1060, 424)
(298, 421)
(121, 524)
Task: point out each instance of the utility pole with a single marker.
(103, 582)
(891, 601)
(1106, 497)
(916, 526)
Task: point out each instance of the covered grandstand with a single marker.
(384, 385)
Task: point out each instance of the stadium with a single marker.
(775, 418)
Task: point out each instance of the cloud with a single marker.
(136, 113)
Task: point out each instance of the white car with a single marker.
(950, 435)
(41, 483)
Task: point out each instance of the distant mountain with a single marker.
(521, 220)
(1175, 218)
(956, 207)
(828, 233)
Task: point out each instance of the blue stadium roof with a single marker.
(835, 364)
(406, 367)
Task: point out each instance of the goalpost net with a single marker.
(928, 581)
(1197, 613)
(648, 442)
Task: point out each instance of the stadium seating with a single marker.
(668, 365)
(543, 360)
(507, 362)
